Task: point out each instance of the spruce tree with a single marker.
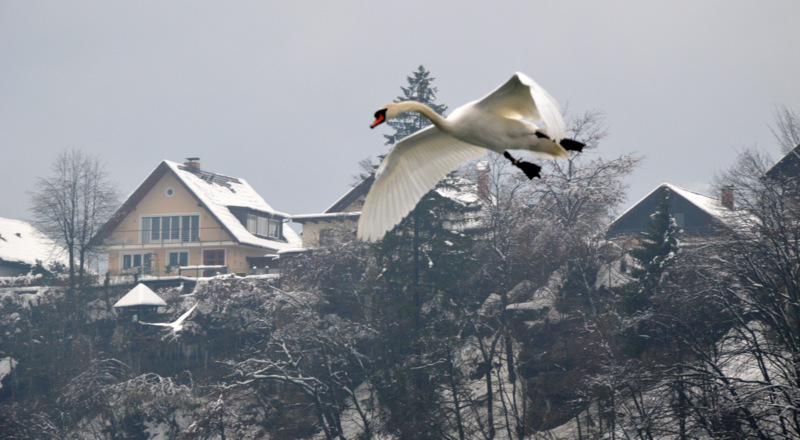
(419, 89)
(425, 262)
(656, 250)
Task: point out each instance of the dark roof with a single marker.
(337, 210)
(700, 214)
(789, 165)
(351, 196)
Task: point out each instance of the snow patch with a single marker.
(7, 364)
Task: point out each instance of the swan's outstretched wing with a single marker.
(412, 168)
(185, 315)
(521, 97)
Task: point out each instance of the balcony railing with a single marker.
(132, 239)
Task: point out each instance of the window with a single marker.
(263, 226)
(274, 228)
(174, 228)
(214, 257)
(326, 237)
(178, 258)
(252, 223)
(679, 219)
(141, 263)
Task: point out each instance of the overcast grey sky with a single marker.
(282, 93)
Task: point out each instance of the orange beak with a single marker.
(379, 118)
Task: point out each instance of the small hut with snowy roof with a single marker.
(141, 300)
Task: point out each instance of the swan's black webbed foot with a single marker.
(572, 145)
(530, 169)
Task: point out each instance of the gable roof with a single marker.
(218, 194)
(140, 295)
(20, 242)
(337, 209)
(707, 210)
(788, 165)
(351, 196)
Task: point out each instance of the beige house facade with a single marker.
(337, 223)
(186, 221)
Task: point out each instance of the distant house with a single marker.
(698, 215)
(21, 245)
(788, 165)
(189, 221)
(340, 221)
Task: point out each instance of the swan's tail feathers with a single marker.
(530, 169)
(572, 145)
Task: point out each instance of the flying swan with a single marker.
(505, 119)
(176, 325)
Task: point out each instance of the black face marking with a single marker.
(380, 117)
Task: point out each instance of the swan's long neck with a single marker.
(414, 106)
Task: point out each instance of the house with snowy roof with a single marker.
(21, 245)
(183, 220)
(698, 215)
(340, 221)
(788, 165)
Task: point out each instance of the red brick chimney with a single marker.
(193, 163)
(726, 197)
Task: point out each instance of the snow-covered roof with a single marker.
(326, 216)
(219, 193)
(361, 189)
(460, 190)
(140, 295)
(708, 204)
(20, 242)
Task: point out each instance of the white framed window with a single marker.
(263, 226)
(252, 224)
(170, 228)
(178, 258)
(141, 262)
(274, 228)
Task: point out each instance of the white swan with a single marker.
(176, 325)
(505, 119)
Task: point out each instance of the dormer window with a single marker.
(263, 226)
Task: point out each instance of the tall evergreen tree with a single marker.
(419, 89)
(423, 262)
(656, 251)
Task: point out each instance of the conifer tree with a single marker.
(419, 89)
(425, 263)
(658, 245)
(656, 251)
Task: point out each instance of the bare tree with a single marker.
(787, 128)
(71, 205)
